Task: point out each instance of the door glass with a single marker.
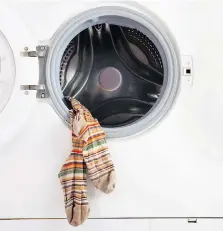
(7, 71)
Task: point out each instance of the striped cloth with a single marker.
(89, 155)
(74, 183)
(95, 150)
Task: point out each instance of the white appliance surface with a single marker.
(61, 225)
(172, 170)
(117, 224)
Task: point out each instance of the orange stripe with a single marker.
(68, 166)
(76, 151)
(86, 127)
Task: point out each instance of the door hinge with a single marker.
(32, 87)
(40, 53)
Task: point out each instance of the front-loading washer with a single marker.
(161, 164)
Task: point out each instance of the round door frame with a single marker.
(150, 24)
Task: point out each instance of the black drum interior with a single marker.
(115, 71)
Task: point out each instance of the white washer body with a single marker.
(173, 170)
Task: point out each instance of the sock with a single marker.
(73, 180)
(95, 151)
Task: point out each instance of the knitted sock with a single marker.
(95, 151)
(73, 180)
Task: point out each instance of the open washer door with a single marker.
(13, 103)
(7, 71)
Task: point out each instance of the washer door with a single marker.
(7, 71)
(14, 104)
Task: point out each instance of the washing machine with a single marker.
(150, 72)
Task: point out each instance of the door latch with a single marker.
(187, 68)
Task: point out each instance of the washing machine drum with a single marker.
(115, 71)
